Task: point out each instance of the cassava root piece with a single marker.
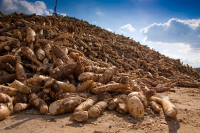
(8, 90)
(107, 75)
(81, 112)
(21, 106)
(64, 105)
(169, 108)
(110, 87)
(135, 107)
(38, 103)
(97, 109)
(20, 87)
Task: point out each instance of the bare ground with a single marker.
(187, 120)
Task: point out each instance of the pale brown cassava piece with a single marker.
(64, 105)
(107, 75)
(38, 103)
(21, 106)
(20, 87)
(169, 108)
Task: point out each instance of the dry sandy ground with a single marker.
(187, 121)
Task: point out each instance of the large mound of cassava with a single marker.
(62, 64)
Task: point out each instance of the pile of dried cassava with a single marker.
(62, 64)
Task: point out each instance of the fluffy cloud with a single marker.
(175, 31)
(94, 22)
(109, 29)
(62, 14)
(23, 6)
(99, 13)
(129, 27)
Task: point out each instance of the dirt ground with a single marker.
(187, 121)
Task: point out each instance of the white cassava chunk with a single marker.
(135, 107)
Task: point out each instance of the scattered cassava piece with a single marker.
(47, 50)
(154, 106)
(95, 69)
(5, 98)
(3, 44)
(97, 109)
(62, 71)
(188, 84)
(144, 88)
(105, 97)
(67, 87)
(4, 111)
(59, 53)
(84, 95)
(30, 34)
(160, 89)
(8, 90)
(10, 68)
(140, 96)
(84, 106)
(21, 106)
(11, 77)
(40, 54)
(49, 82)
(135, 107)
(121, 108)
(94, 85)
(107, 75)
(80, 116)
(79, 67)
(57, 88)
(110, 87)
(20, 98)
(41, 79)
(20, 72)
(89, 76)
(57, 61)
(7, 58)
(30, 55)
(81, 112)
(124, 80)
(83, 86)
(38, 103)
(7, 78)
(20, 87)
(150, 93)
(64, 105)
(169, 108)
(112, 105)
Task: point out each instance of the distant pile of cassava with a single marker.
(62, 64)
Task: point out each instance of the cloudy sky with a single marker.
(171, 27)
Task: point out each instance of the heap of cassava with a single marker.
(62, 64)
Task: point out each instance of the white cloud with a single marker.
(122, 32)
(175, 31)
(129, 27)
(166, 50)
(99, 13)
(23, 6)
(94, 22)
(62, 14)
(109, 29)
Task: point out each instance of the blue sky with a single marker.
(171, 27)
